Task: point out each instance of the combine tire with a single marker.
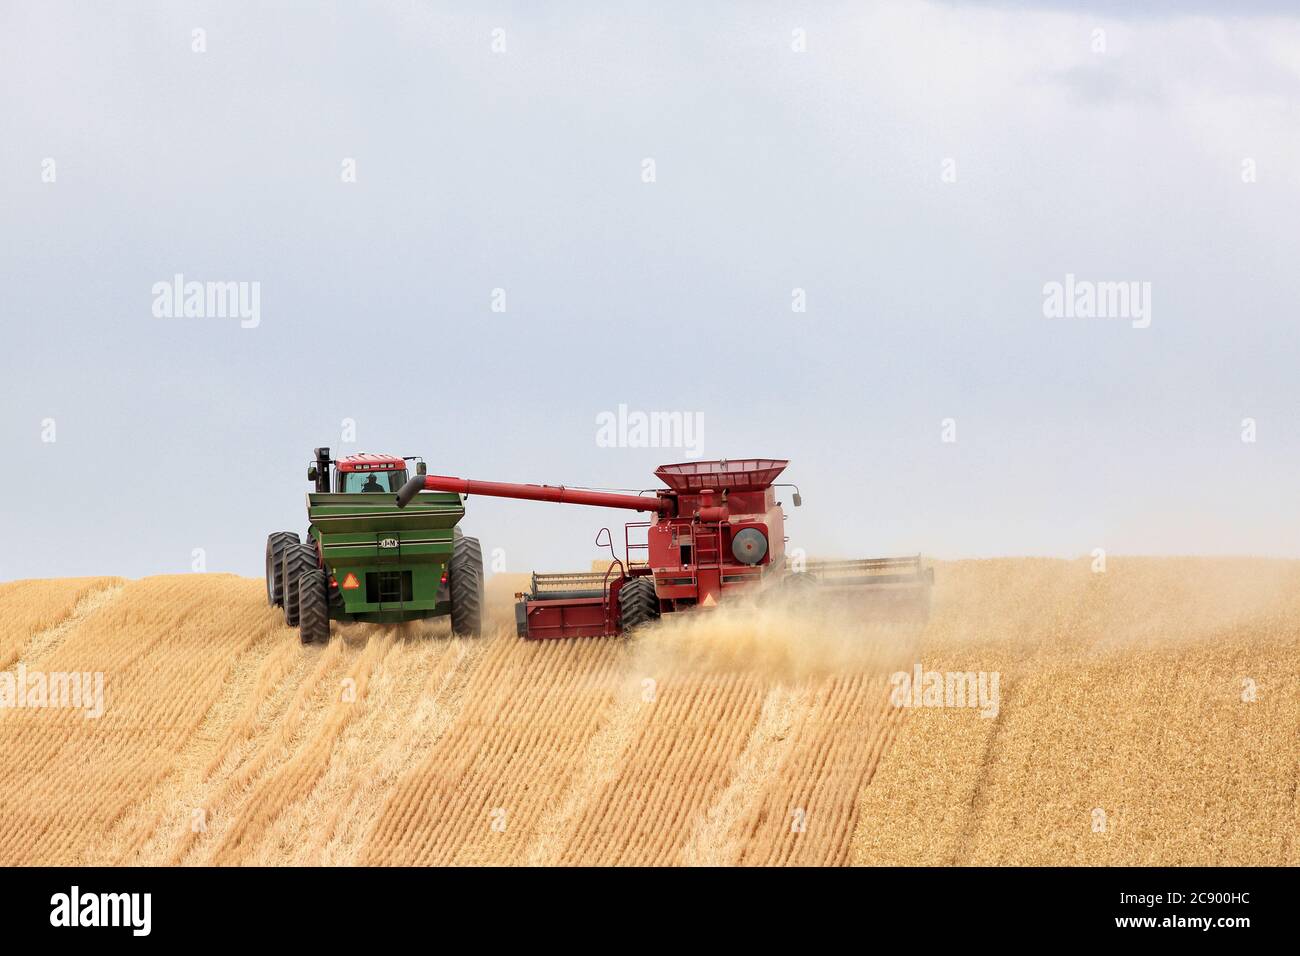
(465, 579)
(314, 607)
(298, 560)
(276, 542)
(637, 604)
(800, 586)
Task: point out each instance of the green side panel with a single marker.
(363, 535)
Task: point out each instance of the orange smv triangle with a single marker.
(350, 583)
(708, 601)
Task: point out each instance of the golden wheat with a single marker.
(1160, 694)
(1148, 716)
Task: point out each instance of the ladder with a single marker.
(708, 545)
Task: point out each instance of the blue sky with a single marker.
(775, 169)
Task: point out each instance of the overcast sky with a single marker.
(920, 171)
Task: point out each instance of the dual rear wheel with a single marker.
(298, 560)
(276, 543)
(314, 607)
(296, 583)
(306, 594)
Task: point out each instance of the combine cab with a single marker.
(717, 530)
(365, 559)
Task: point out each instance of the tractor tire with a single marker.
(276, 542)
(465, 580)
(313, 607)
(298, 560)
(637, 604)
(800, 582)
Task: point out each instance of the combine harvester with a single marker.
(366, 560)
(717, 530)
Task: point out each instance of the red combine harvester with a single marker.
(717, 529)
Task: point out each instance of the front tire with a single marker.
(465, 580)
(298, 560)
(276, 542)
(313, 607)
(800, 586)
(638, 605)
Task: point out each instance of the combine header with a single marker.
(717, 529)
(365, 559)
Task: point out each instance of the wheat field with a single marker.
(1147, 714)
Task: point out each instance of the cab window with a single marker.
(359, 482)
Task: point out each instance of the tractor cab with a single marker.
(360, 474)
(370, 473)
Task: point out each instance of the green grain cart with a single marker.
(365, 559)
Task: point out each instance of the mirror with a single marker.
(797, 499)
(312, 473)
(420, 468)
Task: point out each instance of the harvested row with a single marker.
(526, 713)
(728, 770)
(662, 750)
(35, 610)
(163, 650)
(300, 772)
